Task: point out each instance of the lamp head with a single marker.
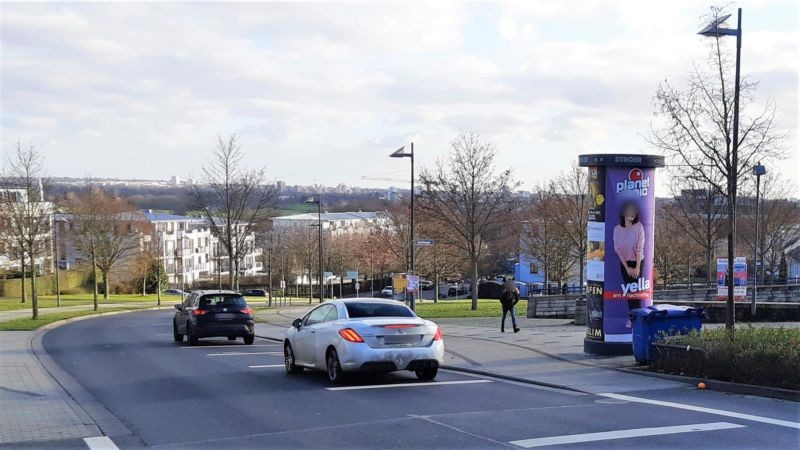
(713, 29)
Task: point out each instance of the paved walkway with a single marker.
(34, 406)
(26, 313)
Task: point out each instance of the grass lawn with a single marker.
(49, 301)
(461, 308)
(25, 324)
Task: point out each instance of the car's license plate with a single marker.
(224, 316)
(402, 339)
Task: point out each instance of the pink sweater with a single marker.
(629, 242)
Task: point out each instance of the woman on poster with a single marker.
(629, 245)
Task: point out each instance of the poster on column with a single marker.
(595, 254)
(628, 256)
(739, 278)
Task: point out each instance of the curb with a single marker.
(724, 386)
(83, 401)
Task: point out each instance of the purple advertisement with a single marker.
(628, 281)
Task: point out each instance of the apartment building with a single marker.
(335, 223)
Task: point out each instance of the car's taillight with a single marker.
(247, 311)
(438, 335)
(200, 312)
(401, 325)
(350, 335)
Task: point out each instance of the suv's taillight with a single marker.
(200, 312)
(350, 335)
(247, 311)
(438, 335)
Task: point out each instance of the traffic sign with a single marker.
(424, 242)
(352, 274)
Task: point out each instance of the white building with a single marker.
(15, 203)
(335, 223)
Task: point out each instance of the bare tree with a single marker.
(26, 215)
(234, 200)
(571, 199)
(698, 211)
(466, 193)
(544, 237)
(698, 132)
(778, 228)
(674, 251)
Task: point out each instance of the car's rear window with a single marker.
(363, 309)
(223, 300)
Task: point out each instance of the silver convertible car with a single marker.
(363, 335)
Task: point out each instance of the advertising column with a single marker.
(619, 268)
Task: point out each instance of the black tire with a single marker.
(427, 374)
(288, 360)
(231, 338)
(249, 339)
(175, 335)
(193, 340)
(335, 373)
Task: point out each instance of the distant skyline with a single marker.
(322, 93)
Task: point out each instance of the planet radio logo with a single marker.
(635, 185)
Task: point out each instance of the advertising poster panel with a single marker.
(739, 278)
(619, 258)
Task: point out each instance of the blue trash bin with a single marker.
(648, 323)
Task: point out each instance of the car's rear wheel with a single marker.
(427, 374)
(288, 360)
(190, 336)
(175, 335)
(231, 338)
(335, 373)
(249, 339)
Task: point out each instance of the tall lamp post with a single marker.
(318, 201)
(713, 30)
(758, 170)
(400, 153)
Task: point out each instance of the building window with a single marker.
(534, 268)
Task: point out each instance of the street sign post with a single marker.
(424, 242)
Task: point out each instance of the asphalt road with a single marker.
(216, 396)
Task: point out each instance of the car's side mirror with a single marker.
(297, 323)
(178, 307)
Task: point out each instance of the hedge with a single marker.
(765, 356)
(70, 281)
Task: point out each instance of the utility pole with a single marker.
(55, 256)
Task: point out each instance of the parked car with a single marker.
(212, 314)
(387, 292)
(425, 285)
(363, 335)
(173, 292)
(455, 291)
(254, 293)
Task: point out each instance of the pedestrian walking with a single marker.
(508, 300)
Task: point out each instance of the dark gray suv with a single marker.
(212, 314)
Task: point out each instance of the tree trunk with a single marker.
(34, 297)
(474, 285)
(22, 267)
(436, 288)
(105, 285)
(94, 281)
(581, 263)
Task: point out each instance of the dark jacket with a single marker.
(508, 299)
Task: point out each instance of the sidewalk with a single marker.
(548, 351)
(34, 406)
(26, 312)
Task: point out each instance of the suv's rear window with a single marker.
(223, 300)
(356, 310)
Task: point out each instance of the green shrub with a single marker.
(767, 356)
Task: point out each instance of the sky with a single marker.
(323, 92)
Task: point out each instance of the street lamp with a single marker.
(713, 30)
(758, 170)
(318, 202)
(400, 153)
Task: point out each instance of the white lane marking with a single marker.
(243, 353)
(211, 347)
(719, 412)
(265, 366)
(623, 434)
(100, 443)
(401, 385)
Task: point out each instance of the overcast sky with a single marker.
(325, 91)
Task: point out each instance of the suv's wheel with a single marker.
(335, 373)
(193, 340)
(427, 374)
(175, 335)
(288, 360)
(249, 339)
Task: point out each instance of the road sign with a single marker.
(358, 287)
(283, 284)
(352, 274)
(327, 275)
(424, 242)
